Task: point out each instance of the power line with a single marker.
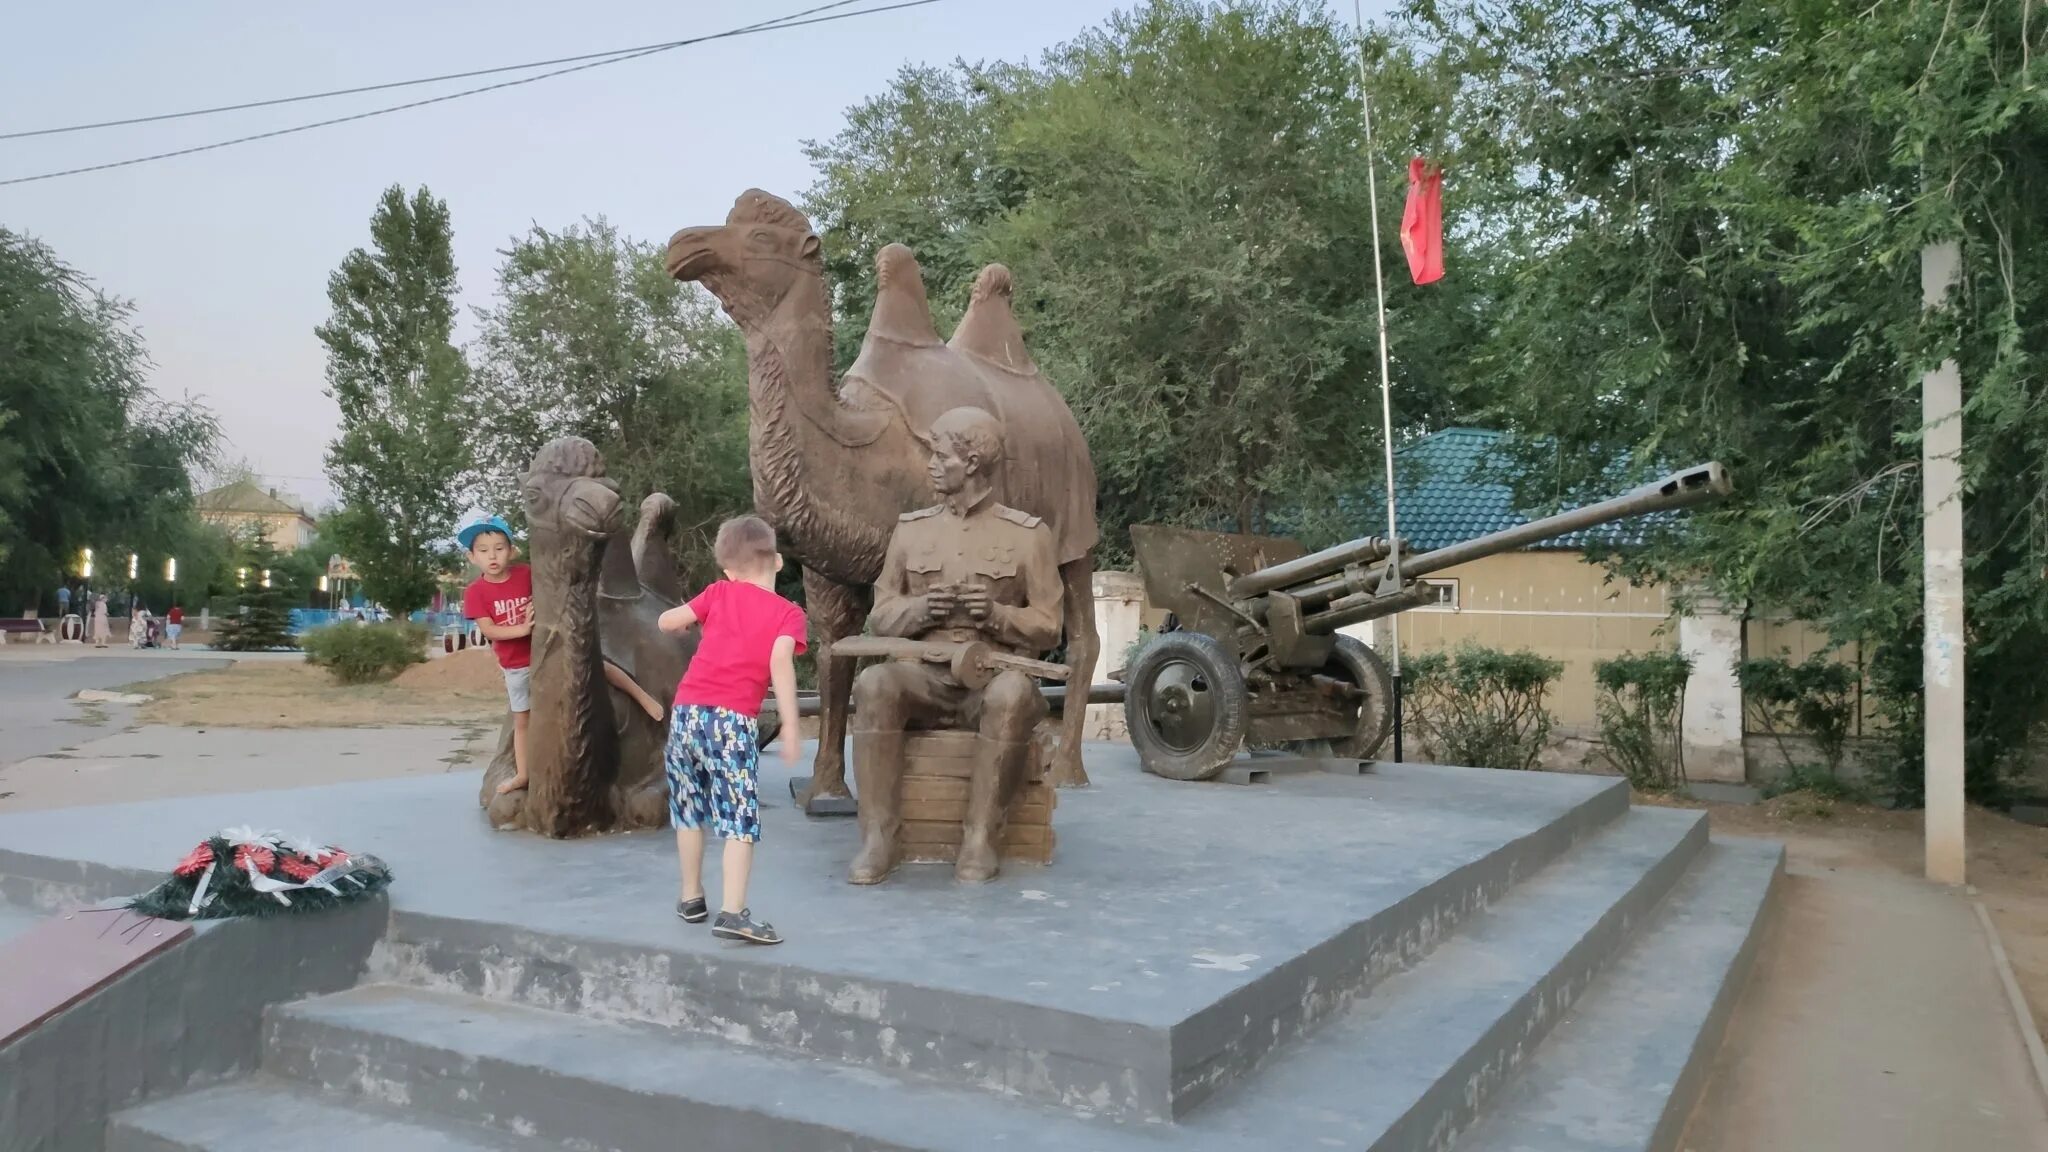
(470, 75)
(790, 21)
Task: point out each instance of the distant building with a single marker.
(246, 506)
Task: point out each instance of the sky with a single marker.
(226, 254)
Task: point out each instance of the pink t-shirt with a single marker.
(741, 623)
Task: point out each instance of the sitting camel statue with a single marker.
(834, 465)
(603, 671)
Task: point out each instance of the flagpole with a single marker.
(1386, 387)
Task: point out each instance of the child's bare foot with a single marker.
(512, 785)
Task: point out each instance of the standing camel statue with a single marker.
(834, 465)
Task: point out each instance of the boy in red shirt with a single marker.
(751, 638)
(501, 603)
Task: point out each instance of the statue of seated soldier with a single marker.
(967, 571)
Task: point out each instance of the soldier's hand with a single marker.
(940, 602)
(975, 599)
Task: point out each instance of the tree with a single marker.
(263, 620)
(591, 337)
(400, 384)
(1714, 213)
(1182, 195)
(90, 457)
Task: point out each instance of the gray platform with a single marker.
(1366, 962)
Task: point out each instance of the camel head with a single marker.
(566, 491)
(764, 249)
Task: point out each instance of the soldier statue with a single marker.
(967, 569)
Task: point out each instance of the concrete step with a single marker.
(1149, 984)
(1405, 1068)
(14, 920)
(1623, 1070)
(264, 1113)
(1415, 1063)
(574, 1081)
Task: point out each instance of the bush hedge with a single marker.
(364, 653)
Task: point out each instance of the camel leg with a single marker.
(836, 612)
(1083, 646)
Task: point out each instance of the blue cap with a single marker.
(467, 536)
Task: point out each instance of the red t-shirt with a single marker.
(741, 623)
(177, 614)
(503, 602)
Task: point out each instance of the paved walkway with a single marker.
(1875, 1021)
(37, 682)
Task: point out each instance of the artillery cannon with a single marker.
(1257, 658)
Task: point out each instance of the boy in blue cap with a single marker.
(501, 603)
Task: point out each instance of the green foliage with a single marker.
(1182, 197)
(1815, 698)
(591, 337)
(400, 385)
(262, 621)
(1479, 706)
(89, 456)
(1715, 215)
(364, 653)
(1641, 700)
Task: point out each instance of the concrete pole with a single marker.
(1942, 645)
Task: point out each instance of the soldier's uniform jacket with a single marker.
(1009, 552)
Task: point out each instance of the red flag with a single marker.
(1422, 223)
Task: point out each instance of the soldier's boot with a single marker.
(998, 772)
(878, 777)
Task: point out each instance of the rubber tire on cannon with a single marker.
(1186, 705)
(1354, 662)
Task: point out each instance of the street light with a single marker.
(242, 577)
(266, 577)
(133, 561)
(171, 570)
(85, 566)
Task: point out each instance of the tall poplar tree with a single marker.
(399, 381)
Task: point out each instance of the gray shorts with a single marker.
(519, 688)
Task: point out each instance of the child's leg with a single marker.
(519, 696)
(688, 795)
(737, 864)
(736, 802)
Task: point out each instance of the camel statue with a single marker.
(602, 669)
(835, 465)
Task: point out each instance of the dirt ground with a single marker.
(2008, 864)
(463, 689)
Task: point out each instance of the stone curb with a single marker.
(2021, 1013)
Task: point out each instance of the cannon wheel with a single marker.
(1363, 667)
(1185, 705)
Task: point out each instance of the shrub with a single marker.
(1481, 706)
(1641, 700)
(1814, 698)
(361, 653)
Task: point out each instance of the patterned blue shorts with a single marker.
(714, 762)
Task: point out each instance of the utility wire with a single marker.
(790, 21)
(470, 75)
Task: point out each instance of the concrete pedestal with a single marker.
(1119, 616)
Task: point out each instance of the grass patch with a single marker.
(276, 694)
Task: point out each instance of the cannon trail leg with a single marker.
(1083, 647)
(836, 611)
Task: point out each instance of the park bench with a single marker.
(28, 629)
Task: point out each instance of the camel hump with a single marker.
(653, 560)
(902, 312)
(989, 331)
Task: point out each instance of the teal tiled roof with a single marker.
(1450, 489)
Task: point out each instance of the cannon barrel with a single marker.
(1682, 489)
(1285, 575)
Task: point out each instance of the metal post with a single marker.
(1379, 285)
(1942, 643)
